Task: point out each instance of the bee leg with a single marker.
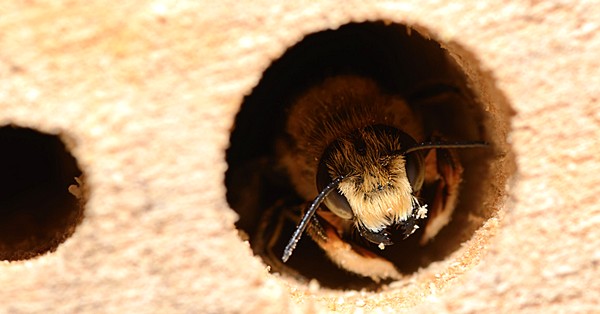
(269, 232)
(352, 258)
(443, 173)
(315, 229)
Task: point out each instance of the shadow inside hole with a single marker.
(403, 62)
(37, 212)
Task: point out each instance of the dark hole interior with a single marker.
(403, 62)
(37, 212)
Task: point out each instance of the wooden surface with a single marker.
(145, 94)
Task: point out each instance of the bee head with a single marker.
(378, 186)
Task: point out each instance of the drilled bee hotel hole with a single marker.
(349, 103)
(37, 211)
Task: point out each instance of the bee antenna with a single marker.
(430, 145)
(289, 248)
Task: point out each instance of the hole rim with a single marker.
(39, 232)
(501, 149)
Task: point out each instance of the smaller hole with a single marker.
(37, 211)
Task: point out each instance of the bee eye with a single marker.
(335, 201)
(415, 170)
(338, 204)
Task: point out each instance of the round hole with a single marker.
(37, 211)
(433, 79)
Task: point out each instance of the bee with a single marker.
(362, 156)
